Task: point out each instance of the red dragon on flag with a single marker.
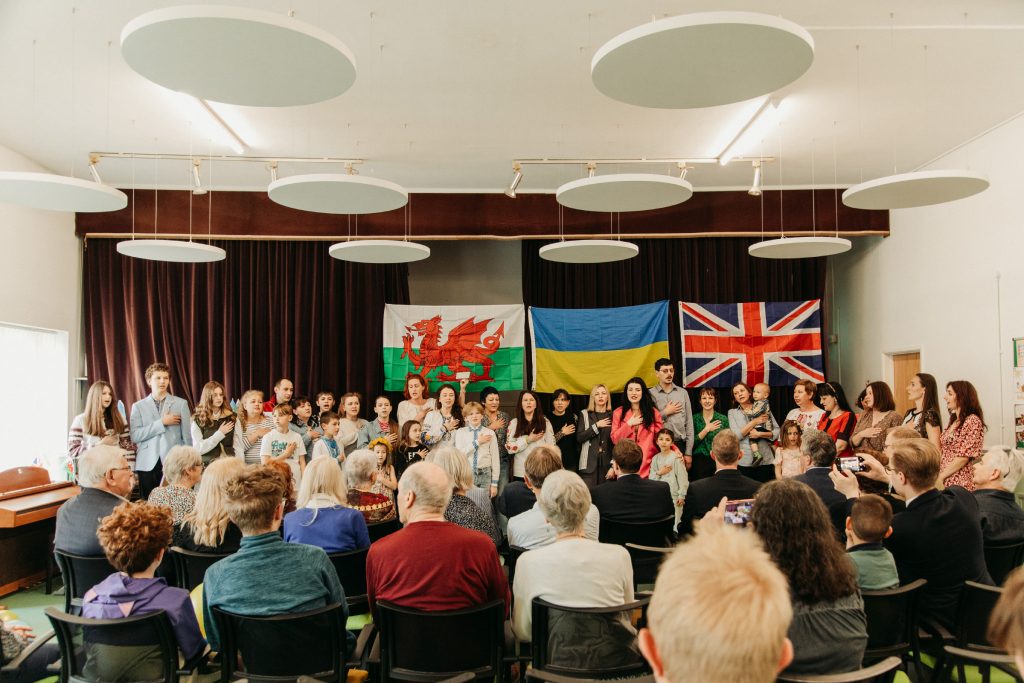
(465, 344)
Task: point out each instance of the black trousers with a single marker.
(149, 480)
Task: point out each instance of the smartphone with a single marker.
(853, 463)
(461, 375)
(738, 511)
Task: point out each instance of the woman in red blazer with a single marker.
(638, 420)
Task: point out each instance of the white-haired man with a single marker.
(432, 564)
(106, 480)
(996, 475)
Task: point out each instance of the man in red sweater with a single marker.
(432, 564)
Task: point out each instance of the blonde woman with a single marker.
(212, 422)
(253, 425)
(101, 423)
(207, 528)
(594, 435)
(322, 518)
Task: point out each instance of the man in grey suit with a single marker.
(106, 480)
(159, 422)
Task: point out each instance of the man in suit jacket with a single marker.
(821, 451)
(158, 423)
(106, 480)
(727, 482)
(996, 475)
(629, 497)
(938, 537)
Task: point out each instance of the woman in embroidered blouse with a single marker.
(417, 401)
(497, 421)
(594, 435)
(253, 425)
(528, 428)
(637, 419)
(183, 468)
(838, 421)
(806, 414)
(878, 418)
(101, 423)
(351, 424)
(212, 422)
(963, 439)
(706, 424)
(923, 390)
(440, 424)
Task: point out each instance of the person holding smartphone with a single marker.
(159, 422)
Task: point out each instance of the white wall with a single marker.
(935, 284)
(464, 273)
(41, 281)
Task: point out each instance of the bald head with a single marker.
(423, 492)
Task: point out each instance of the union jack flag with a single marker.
(775, 342)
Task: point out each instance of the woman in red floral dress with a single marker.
(963, 439)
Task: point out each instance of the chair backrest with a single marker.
(598, 642)
(419, 645)
(882, 671)
(514, 553)
(972, 613)
(892, 615)
(18, 478)
(1003, 559)
(646, 562)
(351, 568)
(534, 675)
(285, 646)
(80, 572)
(656, 534)
(135, 648)
(190, 567)
(382, 529)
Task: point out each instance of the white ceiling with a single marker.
(449, 92)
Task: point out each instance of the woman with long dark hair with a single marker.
(101, 423)
(923, 390)
(838, 421)
(878, 418)
(829, 628)
(639, 420)
(528, 429)
(441, 423)
(747, 428)
(962, 440)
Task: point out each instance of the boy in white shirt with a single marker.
(480, 446)
(284, 444)
(326, 446)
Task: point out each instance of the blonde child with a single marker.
(667, 465)
(761, 448)
(283, 444)
(480, 445)
(789, 461)
(253, 427)
(386, 482)
(326, 446)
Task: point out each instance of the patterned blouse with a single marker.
(921, 421)
(962, 442)
(180, 499)
(886, 422)
(703, 446)
(464, 512)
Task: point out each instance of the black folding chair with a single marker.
(80, 573)
(351, 568)
(534, 675)
(190, 567)
(892, 625)
(957, 658)
(882, 672)
(1001, 559)
(656, 534)
(646, 562)
(381, 529)
(514, 553)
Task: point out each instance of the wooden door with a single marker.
(904, 366)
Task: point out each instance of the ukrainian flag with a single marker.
(576, 348)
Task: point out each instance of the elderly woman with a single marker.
(461, 509)
(322, 518)
(361, 473)
(576, 572)
(207, 528)
(183, 468)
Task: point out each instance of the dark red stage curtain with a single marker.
(271, 309)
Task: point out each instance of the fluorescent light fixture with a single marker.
(227, 134)
(756, 128)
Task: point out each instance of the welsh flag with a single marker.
(445, 343)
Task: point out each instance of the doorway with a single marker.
(904, 366)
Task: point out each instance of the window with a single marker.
(34, 397)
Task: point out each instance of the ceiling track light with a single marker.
(273, 171)
(755, 186)
(591, 169)
(197, 182)
(93, 160)
(517, 178)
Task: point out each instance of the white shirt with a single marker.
(274, 444)
(805, 420)
(530, 530)
(407, 410)
(520, 447)
(487, 454)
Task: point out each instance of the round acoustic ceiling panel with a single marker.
(379, 251)
(59, 193)
(909, 190)
(171, 251)
(238, 55)
(338, 193)
(624, 192)
(589, 251)
(702, 60)
(799, 247)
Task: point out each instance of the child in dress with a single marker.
(667, 465)
(283, 444)
(326, 446)
(789, 461)
(480, 446)
(761, 448)
(410, 448)
(387, 482)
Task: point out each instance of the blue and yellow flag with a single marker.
(576, 348)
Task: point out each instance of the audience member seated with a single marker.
(938, 537)
(719, 613)
(106, 480)
(1006, 626)
(829, 629)
(996, 475)
(135, 537)
(820, 450)
(628, 497)
(15, 637)
(516, 498)
(322, 518)
(267, 576)
(207, 529)
(727, 482)
(361, 473)
(284, 471)
(432, 564)
(868, 523)
(531, 529)
(461, 510)
(183, 468)
(575, 571)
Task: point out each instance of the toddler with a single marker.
(761, 448)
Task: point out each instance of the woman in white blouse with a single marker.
(527, 429)
(440, 424)
(351, 424)
(417, 401)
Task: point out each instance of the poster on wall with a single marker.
(1018, 352)
(1018, 424)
